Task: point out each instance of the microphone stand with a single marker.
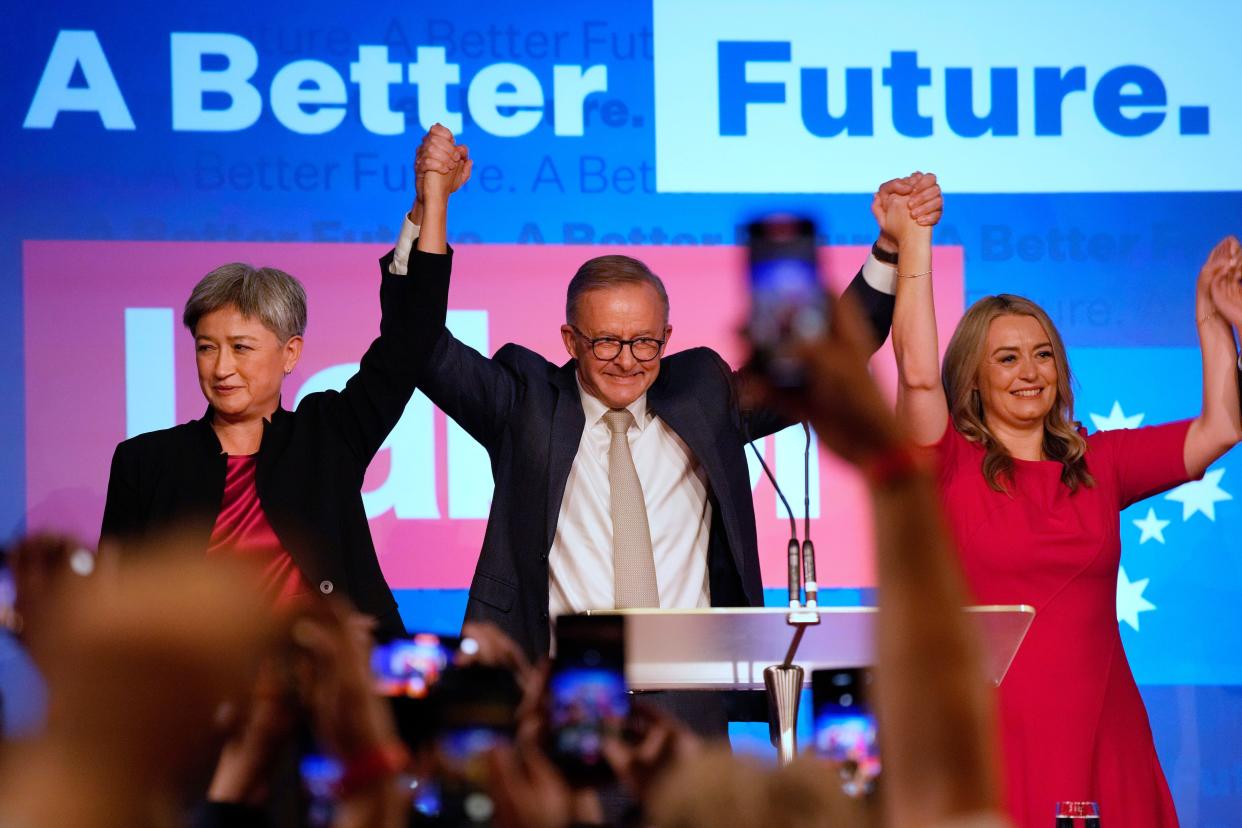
(784, 681)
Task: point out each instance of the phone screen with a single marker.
(845, 727)
(449, 716)
(408, 667)
(788, 303)
(408, 671)
(321, 778)
(475, 710)
(587, 695)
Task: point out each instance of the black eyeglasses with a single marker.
(608, 348)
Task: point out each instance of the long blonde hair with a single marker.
(962, 362)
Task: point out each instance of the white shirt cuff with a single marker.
(881, 276)
(400, 263)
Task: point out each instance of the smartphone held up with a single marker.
(587, 699)
(845, 727)
(789, 304)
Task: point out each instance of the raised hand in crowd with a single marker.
(320, 670)
(258, 727)
(42, 566)
(350, 720)
(659, 744)
(528, 790)
(720, 788)
(137, 665)
(486, 645)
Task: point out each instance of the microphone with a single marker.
(808, 548)
(792, 554)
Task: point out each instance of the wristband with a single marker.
(371, 765)
(883, 255)
(894, 465)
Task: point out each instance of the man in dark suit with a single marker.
(620, 476)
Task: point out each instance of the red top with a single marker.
(1073, 725)
(242, 531)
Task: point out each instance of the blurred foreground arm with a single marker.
(137, 664)
(350, 720)
(933, 703)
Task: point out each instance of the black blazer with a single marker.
(527, 413)
(310, 467)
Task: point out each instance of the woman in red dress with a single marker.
(1033, 503)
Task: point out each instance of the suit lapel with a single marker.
(567, 424)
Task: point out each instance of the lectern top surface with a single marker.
(728, 647)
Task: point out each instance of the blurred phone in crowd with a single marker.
(320, 775)
(587, 696)
(405, 670)
(475, 710)
(408, 667)
(788, 301)
(845, 727)
(447, 716)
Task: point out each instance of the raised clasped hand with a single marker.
(1220, 282)
(441, 164)
(921, 197)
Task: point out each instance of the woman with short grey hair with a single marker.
(251, 479)
(264, 293)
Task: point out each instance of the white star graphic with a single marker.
(1151, 526)
(1130, 600)
(1200, 495)
(1116, 419)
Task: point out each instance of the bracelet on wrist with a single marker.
(371, 765)
(883, 255)
(893, 465)
(914, 275)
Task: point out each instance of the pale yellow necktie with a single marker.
(633, 565)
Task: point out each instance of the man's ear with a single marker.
(570, 337)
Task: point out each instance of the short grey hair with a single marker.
(272, 296)
(606, 272)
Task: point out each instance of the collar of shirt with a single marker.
(594, 409)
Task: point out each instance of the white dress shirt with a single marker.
(675, 492)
